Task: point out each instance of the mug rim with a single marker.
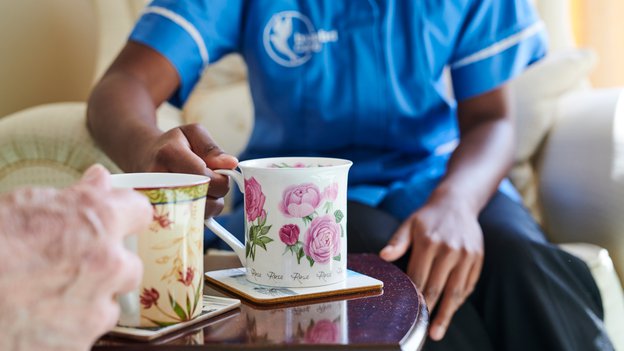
(137, 180)
(249, 164)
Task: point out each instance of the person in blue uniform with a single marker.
(367, 81)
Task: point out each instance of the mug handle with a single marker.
(221, 232)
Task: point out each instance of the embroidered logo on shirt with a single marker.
(290, 39)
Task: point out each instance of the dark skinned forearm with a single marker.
(122, 120)
(484, 154)
(121, 114)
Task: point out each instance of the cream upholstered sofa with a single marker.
(569, 164)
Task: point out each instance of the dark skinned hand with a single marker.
(446, 258)
(190, 149)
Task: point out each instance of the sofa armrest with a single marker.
(581, 192)
(47, 145)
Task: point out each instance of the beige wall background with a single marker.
(599, 24)
(47, 51)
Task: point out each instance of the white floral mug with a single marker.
(295, 220)
(171, 249)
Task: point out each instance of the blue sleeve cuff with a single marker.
(177, 46)
(483, 71)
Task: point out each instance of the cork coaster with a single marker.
(234, 281)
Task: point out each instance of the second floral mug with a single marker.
(171, 250)
(295, 220)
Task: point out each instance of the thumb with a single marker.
(222, 161)
(97, 176)
(399, 243)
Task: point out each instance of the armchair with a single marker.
(569, 165)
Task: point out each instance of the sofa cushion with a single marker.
(535, 95)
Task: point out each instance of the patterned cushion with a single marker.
(47, 145)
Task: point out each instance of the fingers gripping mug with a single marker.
(295, 220)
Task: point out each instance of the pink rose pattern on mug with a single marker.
(321, 239)
(321, 225)
(254, 209)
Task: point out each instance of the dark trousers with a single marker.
(530, 295)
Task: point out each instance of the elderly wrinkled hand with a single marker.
(62, 261)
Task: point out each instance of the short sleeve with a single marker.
(190, 34)
(497, 41)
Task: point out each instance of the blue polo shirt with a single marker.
(361, 79)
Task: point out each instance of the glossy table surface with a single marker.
(395, 319)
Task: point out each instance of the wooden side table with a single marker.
(394, 320)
